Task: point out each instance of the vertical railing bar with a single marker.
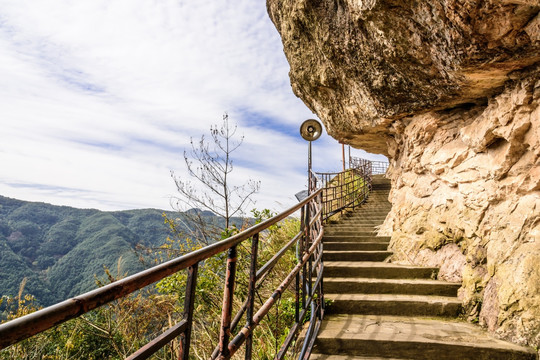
(228, 293)
(304, 249)
(251, 293)
(299, 254)
(308, 345)
(189, 303)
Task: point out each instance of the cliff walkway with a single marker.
(378, 310)
(381, 310)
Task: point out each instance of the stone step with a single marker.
(396, 337)
(350, 233)
(379, 201)
(350, 245)
(350, 228)
(364, 218)
(342, 285)
(347, 357)
(373, 203)
(365, 213)
(371, 269)
(355, 255)
(355, 238)
(349, 225)
(365, 222)
(367, 217)
(393, 304)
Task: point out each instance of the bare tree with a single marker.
(209, 164)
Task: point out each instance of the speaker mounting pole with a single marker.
(310, 130)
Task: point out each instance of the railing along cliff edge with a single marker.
(307, 275)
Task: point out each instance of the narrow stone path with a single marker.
(382, 310)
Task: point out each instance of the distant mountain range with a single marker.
(60, 249)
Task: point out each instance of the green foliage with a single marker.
(59, 249)
(93, 242)
(111, 332)
(274, 328)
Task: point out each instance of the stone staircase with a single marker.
(382, 310)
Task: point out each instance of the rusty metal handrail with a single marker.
(344, 190)
(309, 242)
(371, 166)
(379, 167)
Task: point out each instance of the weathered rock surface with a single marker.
(466, 198)
(449, 90)
(358, 64)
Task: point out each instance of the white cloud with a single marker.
(99, 98)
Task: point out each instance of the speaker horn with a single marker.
(311, 130)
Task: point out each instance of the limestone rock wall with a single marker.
(466, 199)
(449, 90)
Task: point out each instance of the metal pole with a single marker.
(251, 293)
(189, 302)
(309, 169)
(228, 294)
(343, 155)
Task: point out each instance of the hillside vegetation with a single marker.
(60, 249)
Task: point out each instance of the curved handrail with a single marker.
(26, 326)
(308, 273)
(344, 190)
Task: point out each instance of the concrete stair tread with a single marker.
(356, 245)
(349, 229)
(363, 222)
(391, 281)
(363, 285)
(419, 330)
(353, 238)
(363, 242)
(353, 231)
(356, 255)
(367, 213)
(376, 269)
(358, 252)
(356, 222)
(352, 234)
(394, 298)
(351, 226)
(373, 264)
(347, 357)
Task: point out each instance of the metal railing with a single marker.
(307, 275)
(379, 167)
(344, 190)
(368, 166)
(329, 194)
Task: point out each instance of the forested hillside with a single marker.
(60, 249)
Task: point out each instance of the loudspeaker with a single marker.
(311, 130)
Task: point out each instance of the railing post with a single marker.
(251, 293)
(305, 247)
(299, 254)
(228, 293)
(321, 246)
(189, 301)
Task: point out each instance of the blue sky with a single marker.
(99, 98)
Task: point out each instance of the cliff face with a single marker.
(450, 92)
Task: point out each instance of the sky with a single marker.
(99, 99)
